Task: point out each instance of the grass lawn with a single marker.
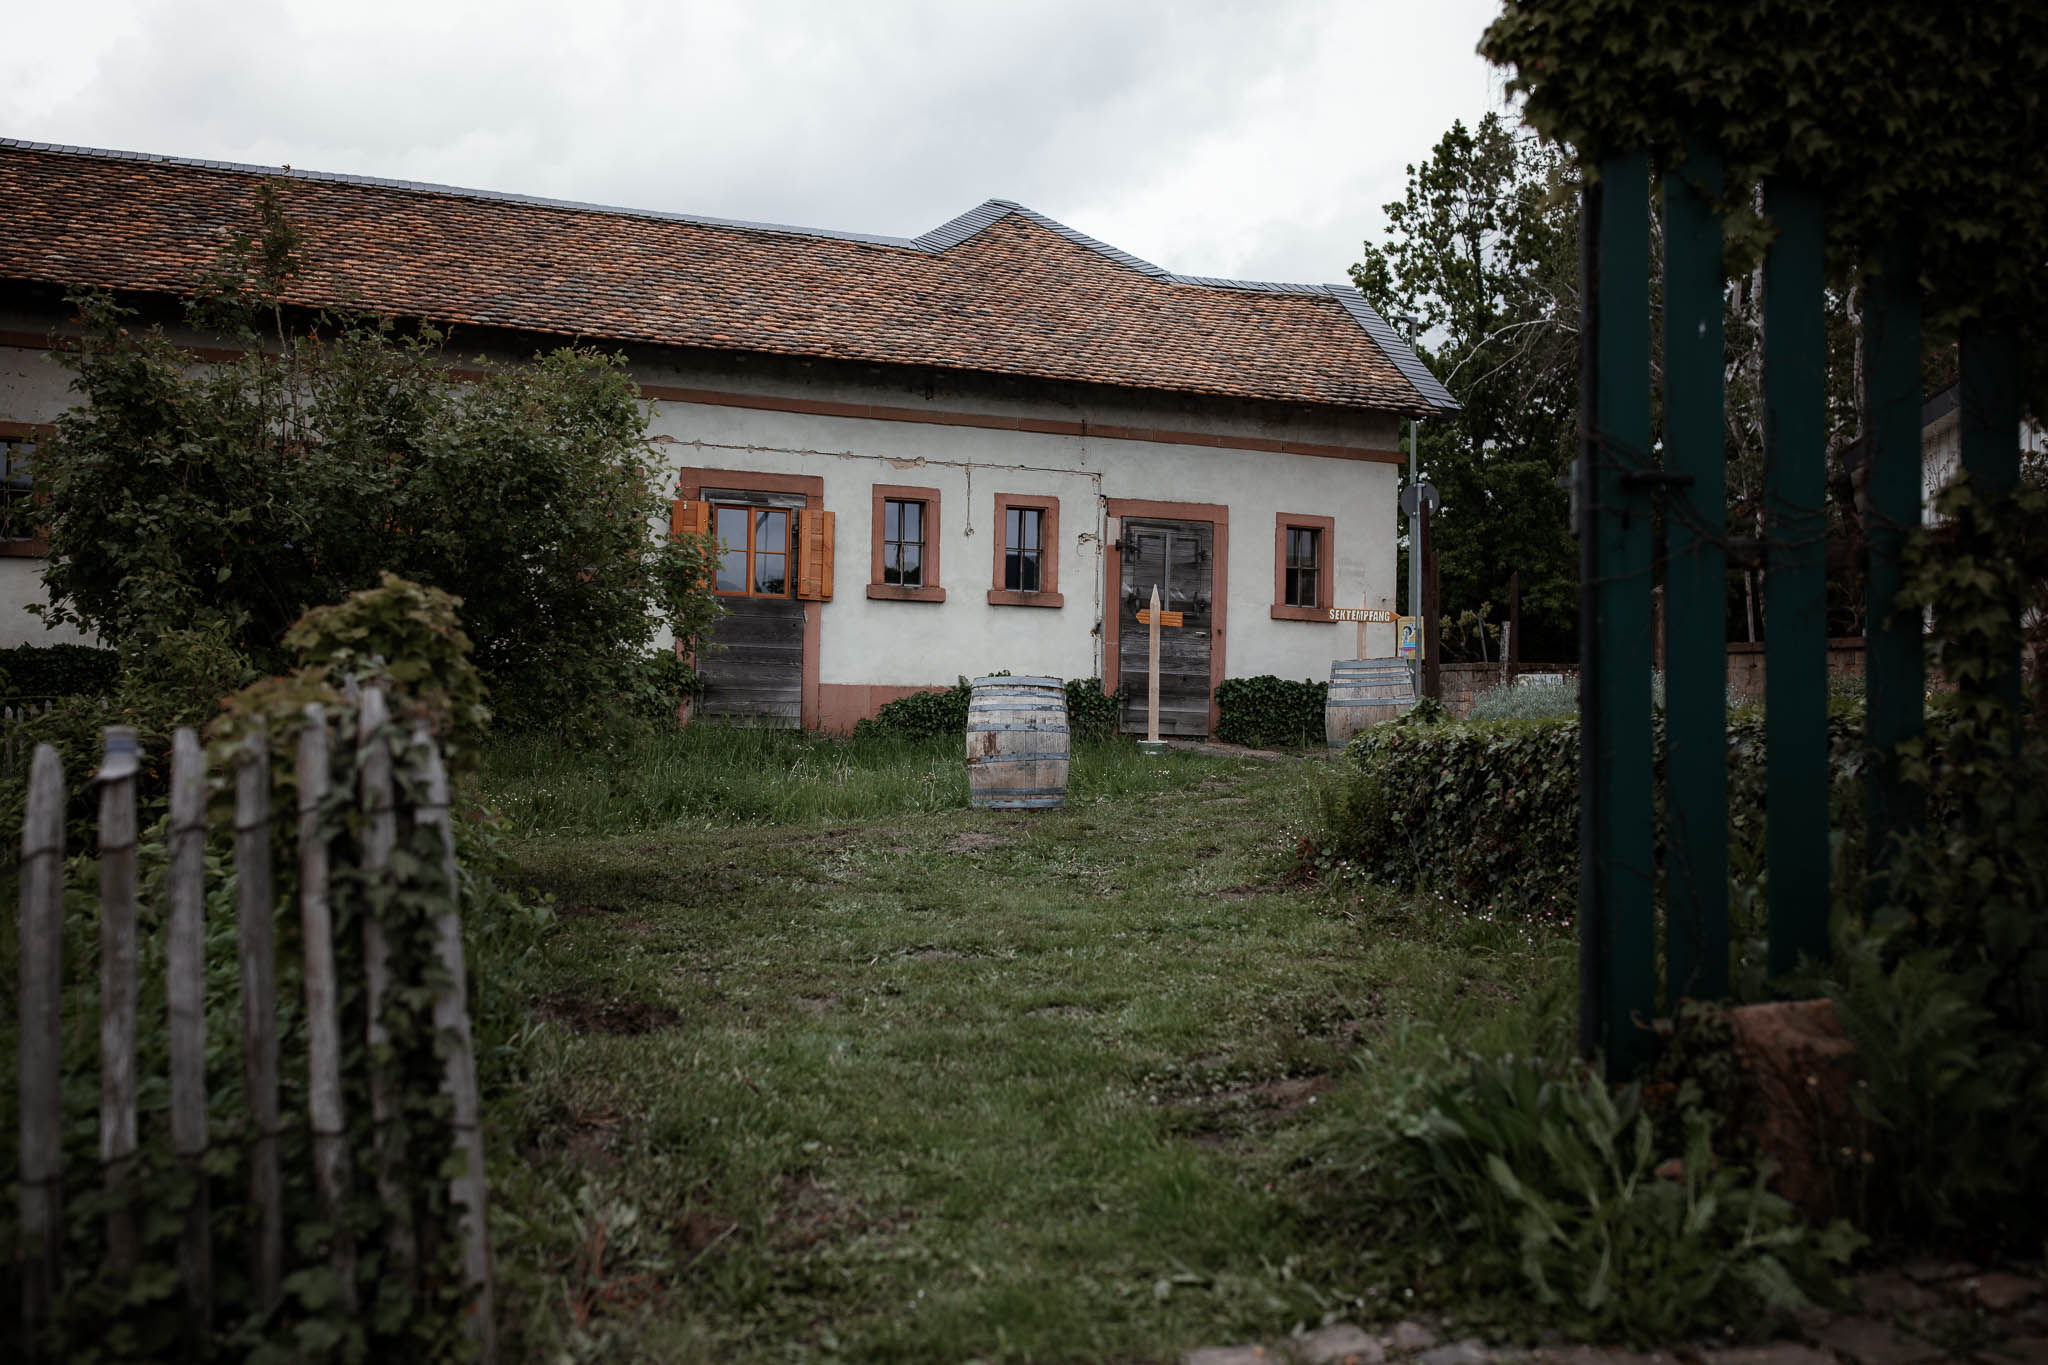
(820, 1062)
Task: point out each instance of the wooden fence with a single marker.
(1624, 485)
(386, 814)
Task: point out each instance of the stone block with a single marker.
(1471, 1351)
(1777, 1353)
(1796, 1067)
(1866, 1341)
(1998, 1291)
(1891, 1293)
(1230, 1355)
(1341, 1343)
(1408, 1337)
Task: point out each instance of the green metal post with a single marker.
(1622, 874)
(1990, 431)
(1695, 588)
(1895, 669)
(1795, 583)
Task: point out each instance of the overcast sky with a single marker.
(1214, 137)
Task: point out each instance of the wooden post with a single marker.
(1617, 920)
(186, 965)
(1795, 585)
(1431, 634)
(380, 834)
(1152, 673)
(117, 991)
(1360, 652)
(323, 995)
(1514, 650)
(1693, 607)
(255, 904)
(42, 979)
(451, 1019)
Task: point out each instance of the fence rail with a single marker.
(387, 810)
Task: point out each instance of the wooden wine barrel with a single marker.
(1365, 693)
(1017, 744)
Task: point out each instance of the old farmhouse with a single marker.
(973, 450)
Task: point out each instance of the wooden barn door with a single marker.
(1178, 557)
(754, 672)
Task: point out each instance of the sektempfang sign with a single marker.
(1378, 616)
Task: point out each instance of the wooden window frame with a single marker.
(1048, 594)
(1326, 566)
(35, 546)
(932, 589)
(789, 535)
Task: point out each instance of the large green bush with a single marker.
(39, 672)
(1091, 712)
(1268, 711)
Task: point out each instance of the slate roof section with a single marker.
(999, 290)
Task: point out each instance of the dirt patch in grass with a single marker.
(815, 1004)
(973, 841)
(617, 1018)
(1252, 891)
(808, 1213)
(1060, 1012)
(931, 952)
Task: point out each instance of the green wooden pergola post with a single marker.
(1895, 669)
(1990, 432)
(1617, 924)
(1695, 588)
(1795, 584)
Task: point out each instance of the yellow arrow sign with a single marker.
(1166, 618)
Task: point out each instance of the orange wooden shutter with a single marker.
(814, 569)
(688, 517)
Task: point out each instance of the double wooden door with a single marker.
(1178, 558)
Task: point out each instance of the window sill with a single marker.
(1005, 597)
(1319, 615)
(890, 592)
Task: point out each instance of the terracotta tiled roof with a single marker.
(999, 290)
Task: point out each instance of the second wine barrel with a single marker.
(1365, 693)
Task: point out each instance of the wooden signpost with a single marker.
(1153, 618)
(1365, 616)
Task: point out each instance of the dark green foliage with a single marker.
(1266, 712)
(42, 671)
(1899, 113)
(656, 687)
(1091, 712)
(244, 492)
(1549, 1184)
(923, 715)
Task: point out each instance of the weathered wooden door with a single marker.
(754, 672)
(1177, 557)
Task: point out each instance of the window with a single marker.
(1301, 566)
(1021, 548)
(753, 551)
(1027, 560)
(905, 557)
(903, 542)
(20, 533)
(1304, 567)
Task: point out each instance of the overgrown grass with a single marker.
(825, 1064)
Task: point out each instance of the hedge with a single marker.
(1091, 712)
(1265, 712)
(37, 672)
(1486, 813)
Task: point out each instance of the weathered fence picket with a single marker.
(186, 966)
(323, 999)
(387, 811)
(117, 992)
(42, 1113)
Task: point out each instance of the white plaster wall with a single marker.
(21, 584)
(864, 641)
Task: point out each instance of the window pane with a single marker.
(913, 522)
(770, 531)
(1029, 517)
(1012, 528)
(1013, 574)
(732, 571)
(892, 519)
(770, 576)
(732, 526)
(910, 566)
(1023, 569)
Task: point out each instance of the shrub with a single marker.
(922, 715)
(1550, 1184)
(41, 671)
(1091, 712)
(1267, 711)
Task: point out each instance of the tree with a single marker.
(1483, 252)
(239, 494)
